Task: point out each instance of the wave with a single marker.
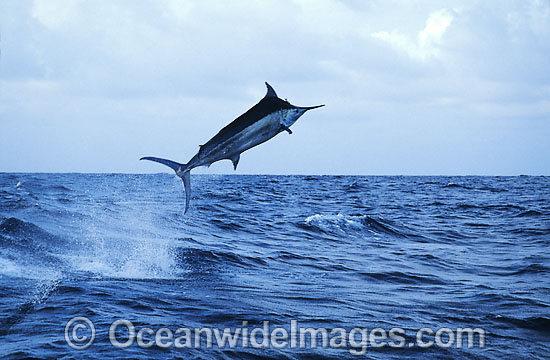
(16, 234)
(520, 270)
(42, 291)
(403, 278)
(319, 263)
(532, 269)
(275, 248)
(452, 185)
(60, 188)
(492, 189)
(528, 232)
(351, 224)
(537, 323)
(20, 231)
(508, 301)
(430, 183)
(477, 225)
(13, 202)
(26, 251)
(504, 207)
(354, 186)
(199, 259)
(529, 213)
(225, 224)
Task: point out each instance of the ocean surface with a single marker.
(314, 251)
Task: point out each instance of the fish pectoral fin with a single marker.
(235, 160)
(285, 128)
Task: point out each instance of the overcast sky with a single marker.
(410, 87)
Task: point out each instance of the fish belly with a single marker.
(255, 134)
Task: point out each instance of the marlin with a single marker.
(260, 123)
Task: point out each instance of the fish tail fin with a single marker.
(171, 164)
(181, 171)
(186, 177)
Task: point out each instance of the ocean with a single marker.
(316, 267)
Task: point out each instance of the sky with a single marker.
(410, 87)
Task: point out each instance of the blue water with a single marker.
(325, 251)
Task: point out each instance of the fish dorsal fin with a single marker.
(235, 160)
(270, 91)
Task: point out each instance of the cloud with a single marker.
(426, 44)
(106, 82)
(178, 8)
(54, 13)
(533, 17)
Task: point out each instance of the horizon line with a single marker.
(266, 174)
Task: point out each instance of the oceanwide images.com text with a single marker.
(80, 334)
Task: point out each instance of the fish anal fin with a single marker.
(235, 160)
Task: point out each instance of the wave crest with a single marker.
(349, 224)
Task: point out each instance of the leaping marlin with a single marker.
(263, 121)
